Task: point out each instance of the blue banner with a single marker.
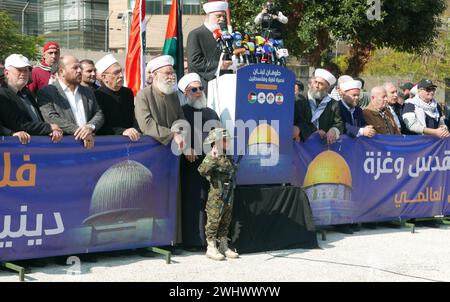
(61, 199)
(377, 179)
(265, 106)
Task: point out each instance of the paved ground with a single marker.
(370, 255)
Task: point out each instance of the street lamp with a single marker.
(69, 13)
(23, 16)
(107, 30)
(126, 18)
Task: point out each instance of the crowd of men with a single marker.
(64, 96)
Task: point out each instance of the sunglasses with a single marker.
(430, 89)
(195, 89)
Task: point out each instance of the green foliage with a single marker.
(314, 26)
(342, 63)
(12, 40)
(433, 65)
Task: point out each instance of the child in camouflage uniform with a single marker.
(217, 167)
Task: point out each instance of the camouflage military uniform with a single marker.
(217, 171)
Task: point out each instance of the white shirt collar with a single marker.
(67, 89)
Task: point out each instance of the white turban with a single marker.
(326, 75)
(104, 63)
(215, 6)
(159, 62)
(188, 79)
(350, 85)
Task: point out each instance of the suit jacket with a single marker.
(203, 55)
(56, 109)
(352, 126)
(331, 117)
(5, 131)
(15, 115)
(383, 123)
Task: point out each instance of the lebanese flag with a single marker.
(173, 44)
(135, 61)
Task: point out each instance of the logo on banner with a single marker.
(270, 98)
(252, 98)
(261, 97)
(280, 99)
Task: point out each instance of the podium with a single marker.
(256, 105)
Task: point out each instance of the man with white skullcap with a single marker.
(157, 105)
(352, 114)
(115, 100)
(194, 187)
(203, 53)
(336, 92)
(320, 113)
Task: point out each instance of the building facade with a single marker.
(157, 15)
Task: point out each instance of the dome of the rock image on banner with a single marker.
(264, 141)
(328, 184)
(122, 194)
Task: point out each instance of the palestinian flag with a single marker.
(251, 98)
(173, 44)
(135, 60)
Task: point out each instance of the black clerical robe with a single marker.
(203, 55)
(194, 187)
(118, 108)
(331, 117)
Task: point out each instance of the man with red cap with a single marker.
(41, 73)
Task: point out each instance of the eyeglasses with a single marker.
(195, 89)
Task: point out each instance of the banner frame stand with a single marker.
(160, 251)
(16, 268)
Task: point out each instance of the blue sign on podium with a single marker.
(263, 124)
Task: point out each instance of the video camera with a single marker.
(270, 8)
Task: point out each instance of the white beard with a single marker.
(198, 103)
(318, 95)
(166, 87)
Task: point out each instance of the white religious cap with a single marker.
(104, 63)
(215, 6)
(414, 90)
(326, 75)
(188, 79)
(350, 85)
(343, 78)
(159, 62)
(16, 60)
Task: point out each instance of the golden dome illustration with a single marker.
(264, 134)
(328, 168)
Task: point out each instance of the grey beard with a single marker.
(199, 103)
(166, 88)
(318, 95)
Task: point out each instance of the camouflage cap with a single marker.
(215, 135)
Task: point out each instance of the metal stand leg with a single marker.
(13, 267)
(163, 252)
(323, 233)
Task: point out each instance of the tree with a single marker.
(314, 26)
(12, 41)
(434, 65)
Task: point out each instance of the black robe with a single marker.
(194, 188)
(203, 54)
(331, 117)
(118, 109)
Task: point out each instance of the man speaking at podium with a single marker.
(203, 51)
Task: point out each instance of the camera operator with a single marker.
(271, 21)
